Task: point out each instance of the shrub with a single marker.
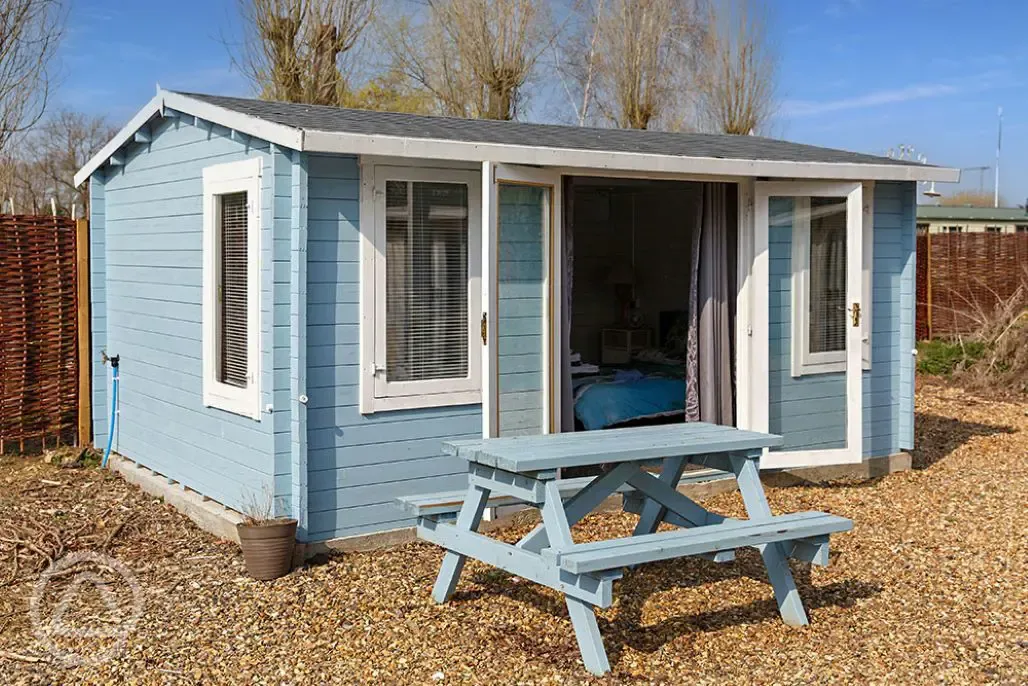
(943, 357)
(1003, 366)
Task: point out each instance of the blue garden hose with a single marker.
(114, 407)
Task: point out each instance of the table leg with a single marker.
(653, 512)
(587, 632)
(790, 605)
(469, 518)
(583, 616)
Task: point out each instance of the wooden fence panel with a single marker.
(38, 331)
(962, 275)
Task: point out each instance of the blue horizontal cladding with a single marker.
(906, 259)
(98, 311)
(152, 228)
(810, 411)
(357, 465)
(521, 279)
(278, 251)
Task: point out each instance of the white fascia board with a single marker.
(121, 138)
(430, 148)
(285, 136)
(278, 134)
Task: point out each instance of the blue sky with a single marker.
(863, 75)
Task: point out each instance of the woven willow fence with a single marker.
(38, 332)
(961, 276)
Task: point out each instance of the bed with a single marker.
(619, 395)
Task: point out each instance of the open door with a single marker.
(808, 321)
(521, 212)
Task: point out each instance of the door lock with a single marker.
(485, 328)
(856, 314)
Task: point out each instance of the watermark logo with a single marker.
(84, 607)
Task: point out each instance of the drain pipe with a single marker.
(114, 405)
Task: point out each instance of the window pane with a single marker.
(827, 274)
(426, 281)
(232, 289)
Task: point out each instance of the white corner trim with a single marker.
(376, 393)
(219, 179)
(744, 305)
(366, 298)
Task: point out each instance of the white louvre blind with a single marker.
(827, 274)
(232, 289)
(426, 280)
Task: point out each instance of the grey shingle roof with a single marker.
(335, 119)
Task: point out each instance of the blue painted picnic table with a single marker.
(526, 469)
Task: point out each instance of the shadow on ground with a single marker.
(626, 629)
(936, 437)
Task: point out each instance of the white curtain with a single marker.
(709, 372)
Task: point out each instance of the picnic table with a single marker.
(526, 469)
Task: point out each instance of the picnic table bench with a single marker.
(526, 469)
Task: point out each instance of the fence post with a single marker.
(928, 279)
(85, 428)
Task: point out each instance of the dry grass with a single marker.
(931, 586)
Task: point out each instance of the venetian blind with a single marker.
(827, 274)
(426, 281)
(232, 289)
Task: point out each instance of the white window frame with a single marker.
(218, 180)
(377, 394)
(805, 362)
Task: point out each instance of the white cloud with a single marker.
(809, 108)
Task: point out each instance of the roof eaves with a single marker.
(339, 142)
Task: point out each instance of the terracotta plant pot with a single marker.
(268, 547)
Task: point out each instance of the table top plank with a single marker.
(552, 451)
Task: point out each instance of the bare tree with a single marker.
(632, 61)
(473, 56)
(42, 165)
(296, 50)
(739, 71)
(576, 57)
(30, 31)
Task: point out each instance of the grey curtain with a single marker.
(709, 382)
(567, 404)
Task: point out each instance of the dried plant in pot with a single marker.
(267, 541)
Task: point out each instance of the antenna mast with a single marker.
(999, 146)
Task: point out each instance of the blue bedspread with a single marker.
(602, 403)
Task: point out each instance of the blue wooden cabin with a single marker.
(306, 301)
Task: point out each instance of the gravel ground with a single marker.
(931, 586)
